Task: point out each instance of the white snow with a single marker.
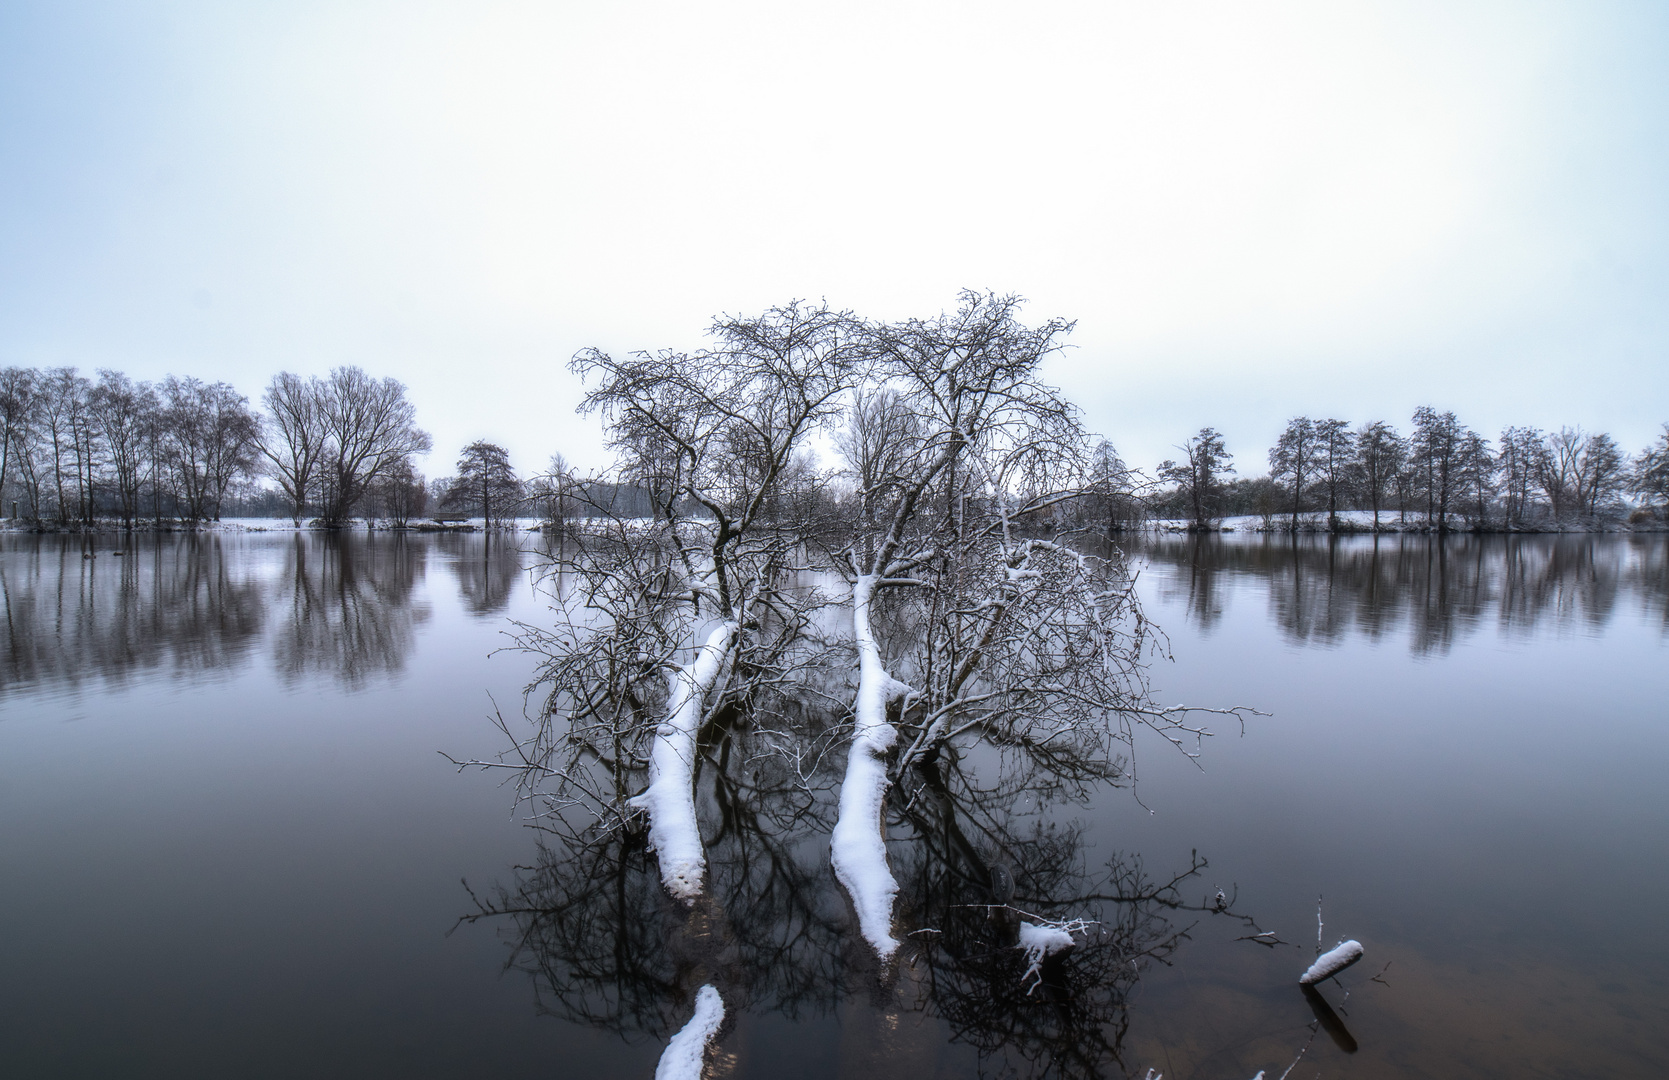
(670, 797)
(857, 849)
(1331, 962)
(683, 1056)
(1041, 942)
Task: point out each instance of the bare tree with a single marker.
(18, 406)
(1521, 449)
(401, 493)
(209, 440)
(369, 428)
(485, 481)
(1601, 471)
(1476, 474)
(1651, 469)
(1199, 474)
(293, 435)
(693, 612)
(555, 494)
(1435, 452)
(704, 620)
(1379, 458)
(1114, 489)
(1558, 468)
(61, 420)
(123, 411)
(1335, 456)
(1294, 460)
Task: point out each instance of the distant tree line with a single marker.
(1441, 475)
(74, 450)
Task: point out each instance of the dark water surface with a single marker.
(229, 847)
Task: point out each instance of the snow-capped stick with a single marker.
(1040, 943)
(856, 847)
(682, 1059)
(1331, 962)
(670, 797)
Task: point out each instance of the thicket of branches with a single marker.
(1441, 475)
(870, 611)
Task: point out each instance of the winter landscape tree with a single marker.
(924, 615)
(1199, 475)
(485, 482)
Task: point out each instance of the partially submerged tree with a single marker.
(955, 623)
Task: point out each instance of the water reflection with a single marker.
(344, 604)
(488, 569)
(74, 613)
(607, 947)
(1324, 589)
(105, 608)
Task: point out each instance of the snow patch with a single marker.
(670, 797)
(1040, 943)
(856, 847)
(682, 1059)
(1331, 962)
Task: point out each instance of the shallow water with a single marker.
(232, 847)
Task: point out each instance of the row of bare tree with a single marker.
(74, 450)
(1442, 472)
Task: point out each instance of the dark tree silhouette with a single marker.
(1199, 475)
(485, 482)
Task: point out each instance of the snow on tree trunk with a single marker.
(682, 1059)
(1330, 963)
(857, 848)
(670, 797)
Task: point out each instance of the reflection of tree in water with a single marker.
(165, 603)
(1325, 588)
(1648, 575)
(350, 609)
(488, 568)
(607, 946)
(981, 857)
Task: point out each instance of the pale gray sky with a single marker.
(1253, 210)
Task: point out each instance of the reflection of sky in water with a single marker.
(242, 855)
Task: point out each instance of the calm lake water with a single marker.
(231, 846)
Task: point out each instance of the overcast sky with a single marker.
(1253, 210)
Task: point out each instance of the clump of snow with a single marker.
(1041, 941)
(1331, 962)
(856, 847)
(670, 797)
(683, 1056)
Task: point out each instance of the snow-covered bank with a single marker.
(857, 848)
(670, 798)
(684, 1055)
(1361, 521)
